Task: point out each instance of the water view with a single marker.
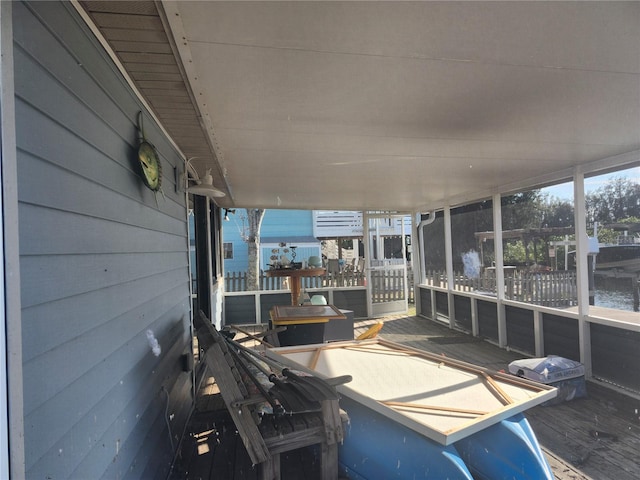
(614, 295)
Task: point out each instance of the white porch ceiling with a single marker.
(404, 105)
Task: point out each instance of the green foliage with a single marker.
(607, 235)
(522, 210)
(617, 199)
(514, 253)
(557, 212)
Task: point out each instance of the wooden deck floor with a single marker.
(593, 438)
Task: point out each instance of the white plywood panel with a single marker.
(444, 400)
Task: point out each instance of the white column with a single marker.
(582, 251)
(497, 239)
(448, 249)
(538, 333)
(475, 324)
(404, 258)
(366, 239)
(417, 260)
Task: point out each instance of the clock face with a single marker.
(150, 164)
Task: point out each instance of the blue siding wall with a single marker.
(104, 264)
(276, 224)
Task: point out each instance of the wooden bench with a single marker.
(265, 437)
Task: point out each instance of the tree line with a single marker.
(531, 222)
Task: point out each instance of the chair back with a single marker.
(333, 266)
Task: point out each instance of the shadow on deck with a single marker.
(597, 437)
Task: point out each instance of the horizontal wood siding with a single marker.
(104, 263)
(561, 336)
(488, 320)
(614, 355)
(463, 312)
(520, 333)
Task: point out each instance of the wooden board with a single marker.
(302, 314)
(440, 398)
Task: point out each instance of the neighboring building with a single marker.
(288, 227)
(312, 232)
(387, 234)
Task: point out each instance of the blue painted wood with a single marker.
(377, 447)
(508, 449)
(104, 262)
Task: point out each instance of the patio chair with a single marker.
(333, 271)
(333, 266)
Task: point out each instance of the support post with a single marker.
(448, 249)
(582, 249)
(497, 229)
(538, 332)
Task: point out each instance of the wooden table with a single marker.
(295, 274)
(301, 314)
(306, 324)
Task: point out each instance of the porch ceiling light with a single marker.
(202, 186)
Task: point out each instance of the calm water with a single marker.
(618, 296)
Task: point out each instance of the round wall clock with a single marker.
(150, 165)
(149, 160)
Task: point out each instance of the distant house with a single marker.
(281, 230)
(306, 230)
